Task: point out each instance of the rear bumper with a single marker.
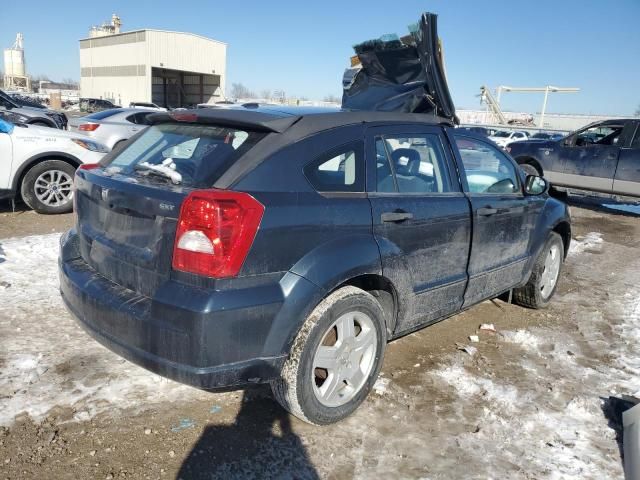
(221, 344)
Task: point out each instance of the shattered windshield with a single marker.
(187, 154)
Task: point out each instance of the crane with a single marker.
(547, 89)
(492, 104)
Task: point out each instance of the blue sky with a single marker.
(303, 47)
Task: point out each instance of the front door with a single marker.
(590, 157)
(421, 221)
(503, 219)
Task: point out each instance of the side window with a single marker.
(132, 118)
(599, 135)
(411, 164)
(141, 118)
(339, 170)
(487, 170)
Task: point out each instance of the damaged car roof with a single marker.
(400, 74)
(278, 119)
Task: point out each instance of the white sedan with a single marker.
(504, 137)
(38, 164)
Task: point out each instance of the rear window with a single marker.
(103, 114)
(339, 170)
(185, 154)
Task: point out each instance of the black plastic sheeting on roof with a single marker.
(401, 75)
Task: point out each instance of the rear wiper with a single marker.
(163, 170)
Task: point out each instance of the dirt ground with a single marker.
(532, 400)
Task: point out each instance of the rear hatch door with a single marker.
(127, 208)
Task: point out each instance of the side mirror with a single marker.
(535, 185)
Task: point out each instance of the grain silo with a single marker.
(15, 71)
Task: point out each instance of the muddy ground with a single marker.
(531, 402)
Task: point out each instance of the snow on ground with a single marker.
(527, 405)
(46, 360)
(591, 240)
(548, 415)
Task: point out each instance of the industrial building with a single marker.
(170, 69)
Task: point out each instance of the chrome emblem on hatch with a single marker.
(104, 194)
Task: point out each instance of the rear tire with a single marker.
(530, 169)
(542, 284)
(47, 187)
(353, 361)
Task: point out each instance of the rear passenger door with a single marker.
(503, 218)
(421, 220)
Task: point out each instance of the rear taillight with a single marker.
(88, 127)
(84, 166)
(88, 166)
(215, 231)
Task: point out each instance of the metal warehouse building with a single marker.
(171, 69)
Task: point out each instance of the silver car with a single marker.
(112, 127)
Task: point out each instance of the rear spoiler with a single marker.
(235, 118)
(400, 74)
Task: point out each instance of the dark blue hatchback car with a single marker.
(260, 244)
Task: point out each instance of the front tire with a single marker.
(48, 187)
(335, 358)
(543, 282)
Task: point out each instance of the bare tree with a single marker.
(266, 94)
(40, 77)
(332, 98)
(238, 90)
(70, 81)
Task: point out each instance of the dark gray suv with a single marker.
(224, 247)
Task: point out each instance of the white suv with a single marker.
(39, 163)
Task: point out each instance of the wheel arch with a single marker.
(384, 292)
(563, 229)
(36, 159)
(528, 160)
(40, 120)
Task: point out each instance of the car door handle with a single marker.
(392, 217)
(487, 211)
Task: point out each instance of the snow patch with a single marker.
(380, 387)
(46, 360)
(523, 338)
(591, 240)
